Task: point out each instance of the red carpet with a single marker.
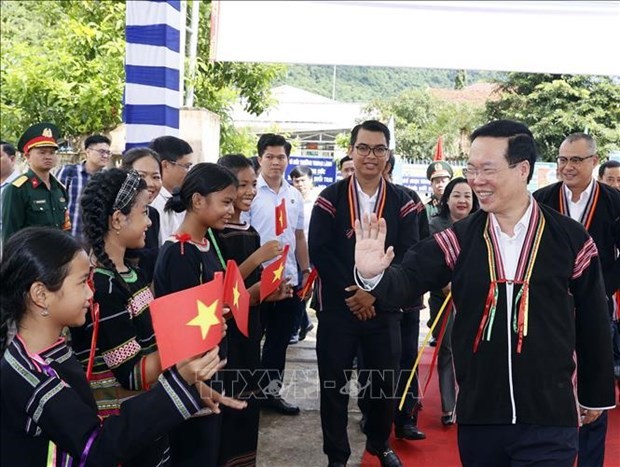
(439, 449)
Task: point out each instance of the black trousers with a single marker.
(409, 336)
(278, 321)
(517, 445)
(339, 336)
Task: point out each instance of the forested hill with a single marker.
(363, 84)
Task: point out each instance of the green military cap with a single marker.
(439, 169)
(39, 135)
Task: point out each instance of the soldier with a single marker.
(439, 174)
(36, 198)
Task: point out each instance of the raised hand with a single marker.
(371, 259)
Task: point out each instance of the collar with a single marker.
(361, 192)
(584, 195)
(521, 224)
(262, 183)
(58, 351)
(165, 193)
(16, 173)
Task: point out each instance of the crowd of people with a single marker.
(528, 285)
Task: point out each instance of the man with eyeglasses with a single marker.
(177, 158)
(75, 176)
(349, 319)
(530, 308)
(597, 207)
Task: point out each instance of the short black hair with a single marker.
(170, 148)
(235, 162)
(254, 161)
(271, 139)
(521, 144)
(8, 148)
(610, 164)
(300, 171)
(370, 125)
(96, 139)
(342, 161)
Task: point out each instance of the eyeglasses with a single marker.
(471, 173)
(575, 160)
(364, 150)
(102, 152)
(186, 167)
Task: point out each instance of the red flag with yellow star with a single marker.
(188, 322)
(281, 222)
(236, 296)
(272, 275)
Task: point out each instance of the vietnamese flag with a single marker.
(271, 277)
(189, 322)
(439, 150)
(237, 297)
(281, 222)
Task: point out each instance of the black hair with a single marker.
(343, 160)
(521, 144)
(203, 178)
(610, 164)
(8, 148)
(255, 163)
(33, 254)
(300, 171)
(391, 161)
(235, 162)
(170, 148)
(370, 125)
(97, 205)
(135, 154)
(444, 210)
(96, 139)
(271, 139)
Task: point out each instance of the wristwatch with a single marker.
(306, 271)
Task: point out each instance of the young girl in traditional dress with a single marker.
(186, 260)
(49, 415)
(239, 241)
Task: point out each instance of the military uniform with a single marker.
(28, 201)
(436, 169)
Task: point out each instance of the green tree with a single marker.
(421, 118)
(554, 106)
(62, 61)
(219, 84)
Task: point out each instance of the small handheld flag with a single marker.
(439, 150)
(302, 293)
(237, 297)
(281, 221)
(272, 276)
(189, 322)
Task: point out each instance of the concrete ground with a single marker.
(286, 441)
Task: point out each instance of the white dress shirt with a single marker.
(576, 209)
(169, 222)
(262, 217)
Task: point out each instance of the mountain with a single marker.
(363, 84)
